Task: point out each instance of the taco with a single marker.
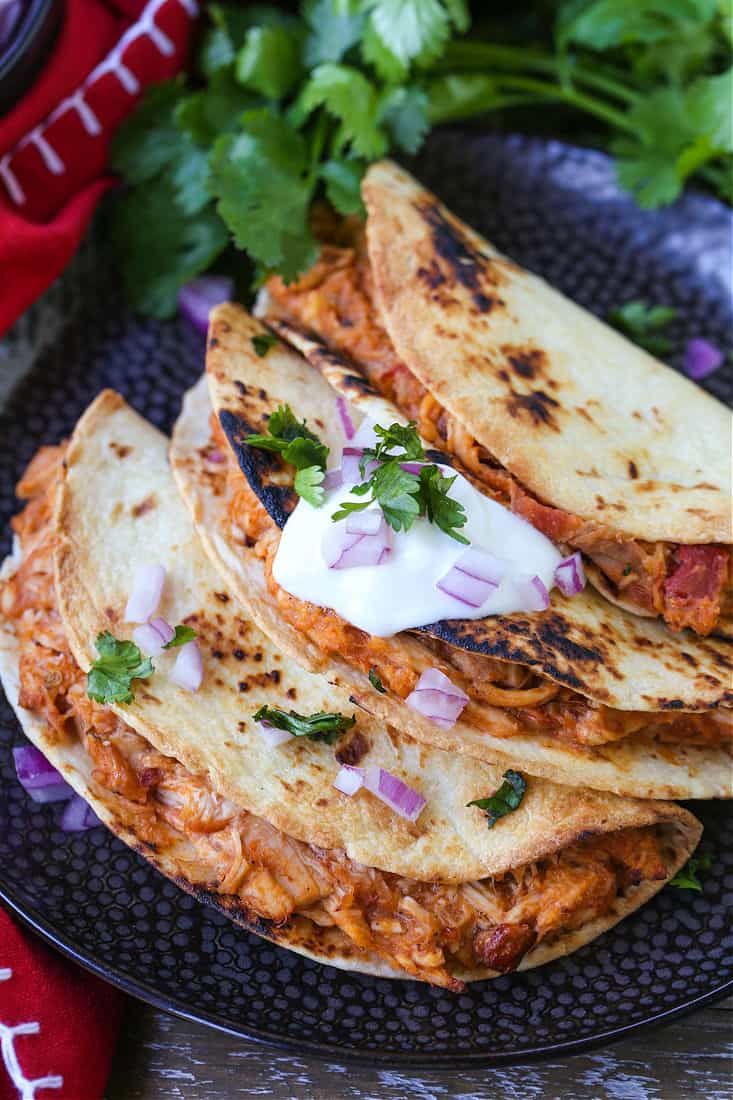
(185, 777)
(582, 692)
(588, 437)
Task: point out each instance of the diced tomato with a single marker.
(693, 589)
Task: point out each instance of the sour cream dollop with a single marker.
(401, 593)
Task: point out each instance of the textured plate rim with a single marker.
(56, 938)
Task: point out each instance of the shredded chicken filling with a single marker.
(429, 930)
(530, 702)
(689, 586)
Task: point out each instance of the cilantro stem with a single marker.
(476, 56)
(318, 141)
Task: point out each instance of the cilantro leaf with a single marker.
(300, 447)
(376, 682)
(215, 110)
(377, 53)
(404, 111)
(161, 247)
(504, 801)
(417, 30)
(269, 61)
(442, 510)
(686, 878)
(258, 178)
(230, 23)
(333, 30)
(183, 634)
(307, 485)
(148, 141)
(605, 24)
(401, 436)
(316, 727)
(262, 343)
(640, 322)
(343, 184)
(110, 677)
(352, 99)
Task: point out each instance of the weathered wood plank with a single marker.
(160, 1057)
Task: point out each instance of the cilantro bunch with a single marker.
(281, 108)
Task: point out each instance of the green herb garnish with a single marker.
(262, 343)
(376, 682)
(641, 322)
(281, 109)
(182, 635)
(110, 678)
(504, 801)
(316, 727)
(300, 447)
(686, 878)
(401, 494)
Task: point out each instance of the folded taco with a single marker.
(581, 691)
(412, 885)
(597, 444)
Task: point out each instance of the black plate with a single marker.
(556, 210)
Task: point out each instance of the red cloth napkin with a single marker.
(58, 1025)
(54, 143)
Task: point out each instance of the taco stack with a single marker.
(184, 772)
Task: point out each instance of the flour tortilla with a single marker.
(584, 642)
(585, 419)
(118, 508)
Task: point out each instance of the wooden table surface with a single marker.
(160, 1057)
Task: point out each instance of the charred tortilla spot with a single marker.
(262, 394)
(526, 362)
(432, 276)
(240, 387)
(121, 449)
(111, 614)
(354, 750)
(633, 470)
(274, 675)
(671, 704)
(504, 375)
(258, 467)
(291, 693)
(238, 654)
(222, 597)
(537, 405)
(243, 686)
(213, 343)
(464, 262)
(144, 506)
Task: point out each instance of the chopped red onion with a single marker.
(702, 358)
(437, 698)
(350, 459)
(365, 435)
(188, 670)
(533, 594)
(147, 588)
(38, 778)
(272, 736)
(368, 543)
(78, 816)
(333, 479)
(33, 769)
(216, 456)
(412, 467)
(365, 523)
(570, 575)
(153, 637)
(349, 779)
(474, 577)
(198, 297)
(346, 421)
(404, 800)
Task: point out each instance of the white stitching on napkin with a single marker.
(25, 1087)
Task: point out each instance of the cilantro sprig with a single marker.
(109, 679)
(642, 322)
(297, 445)
(402, 494)
(686, 878)
(281, 109)
(504, 801)
(181, 636)
(316, 727)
